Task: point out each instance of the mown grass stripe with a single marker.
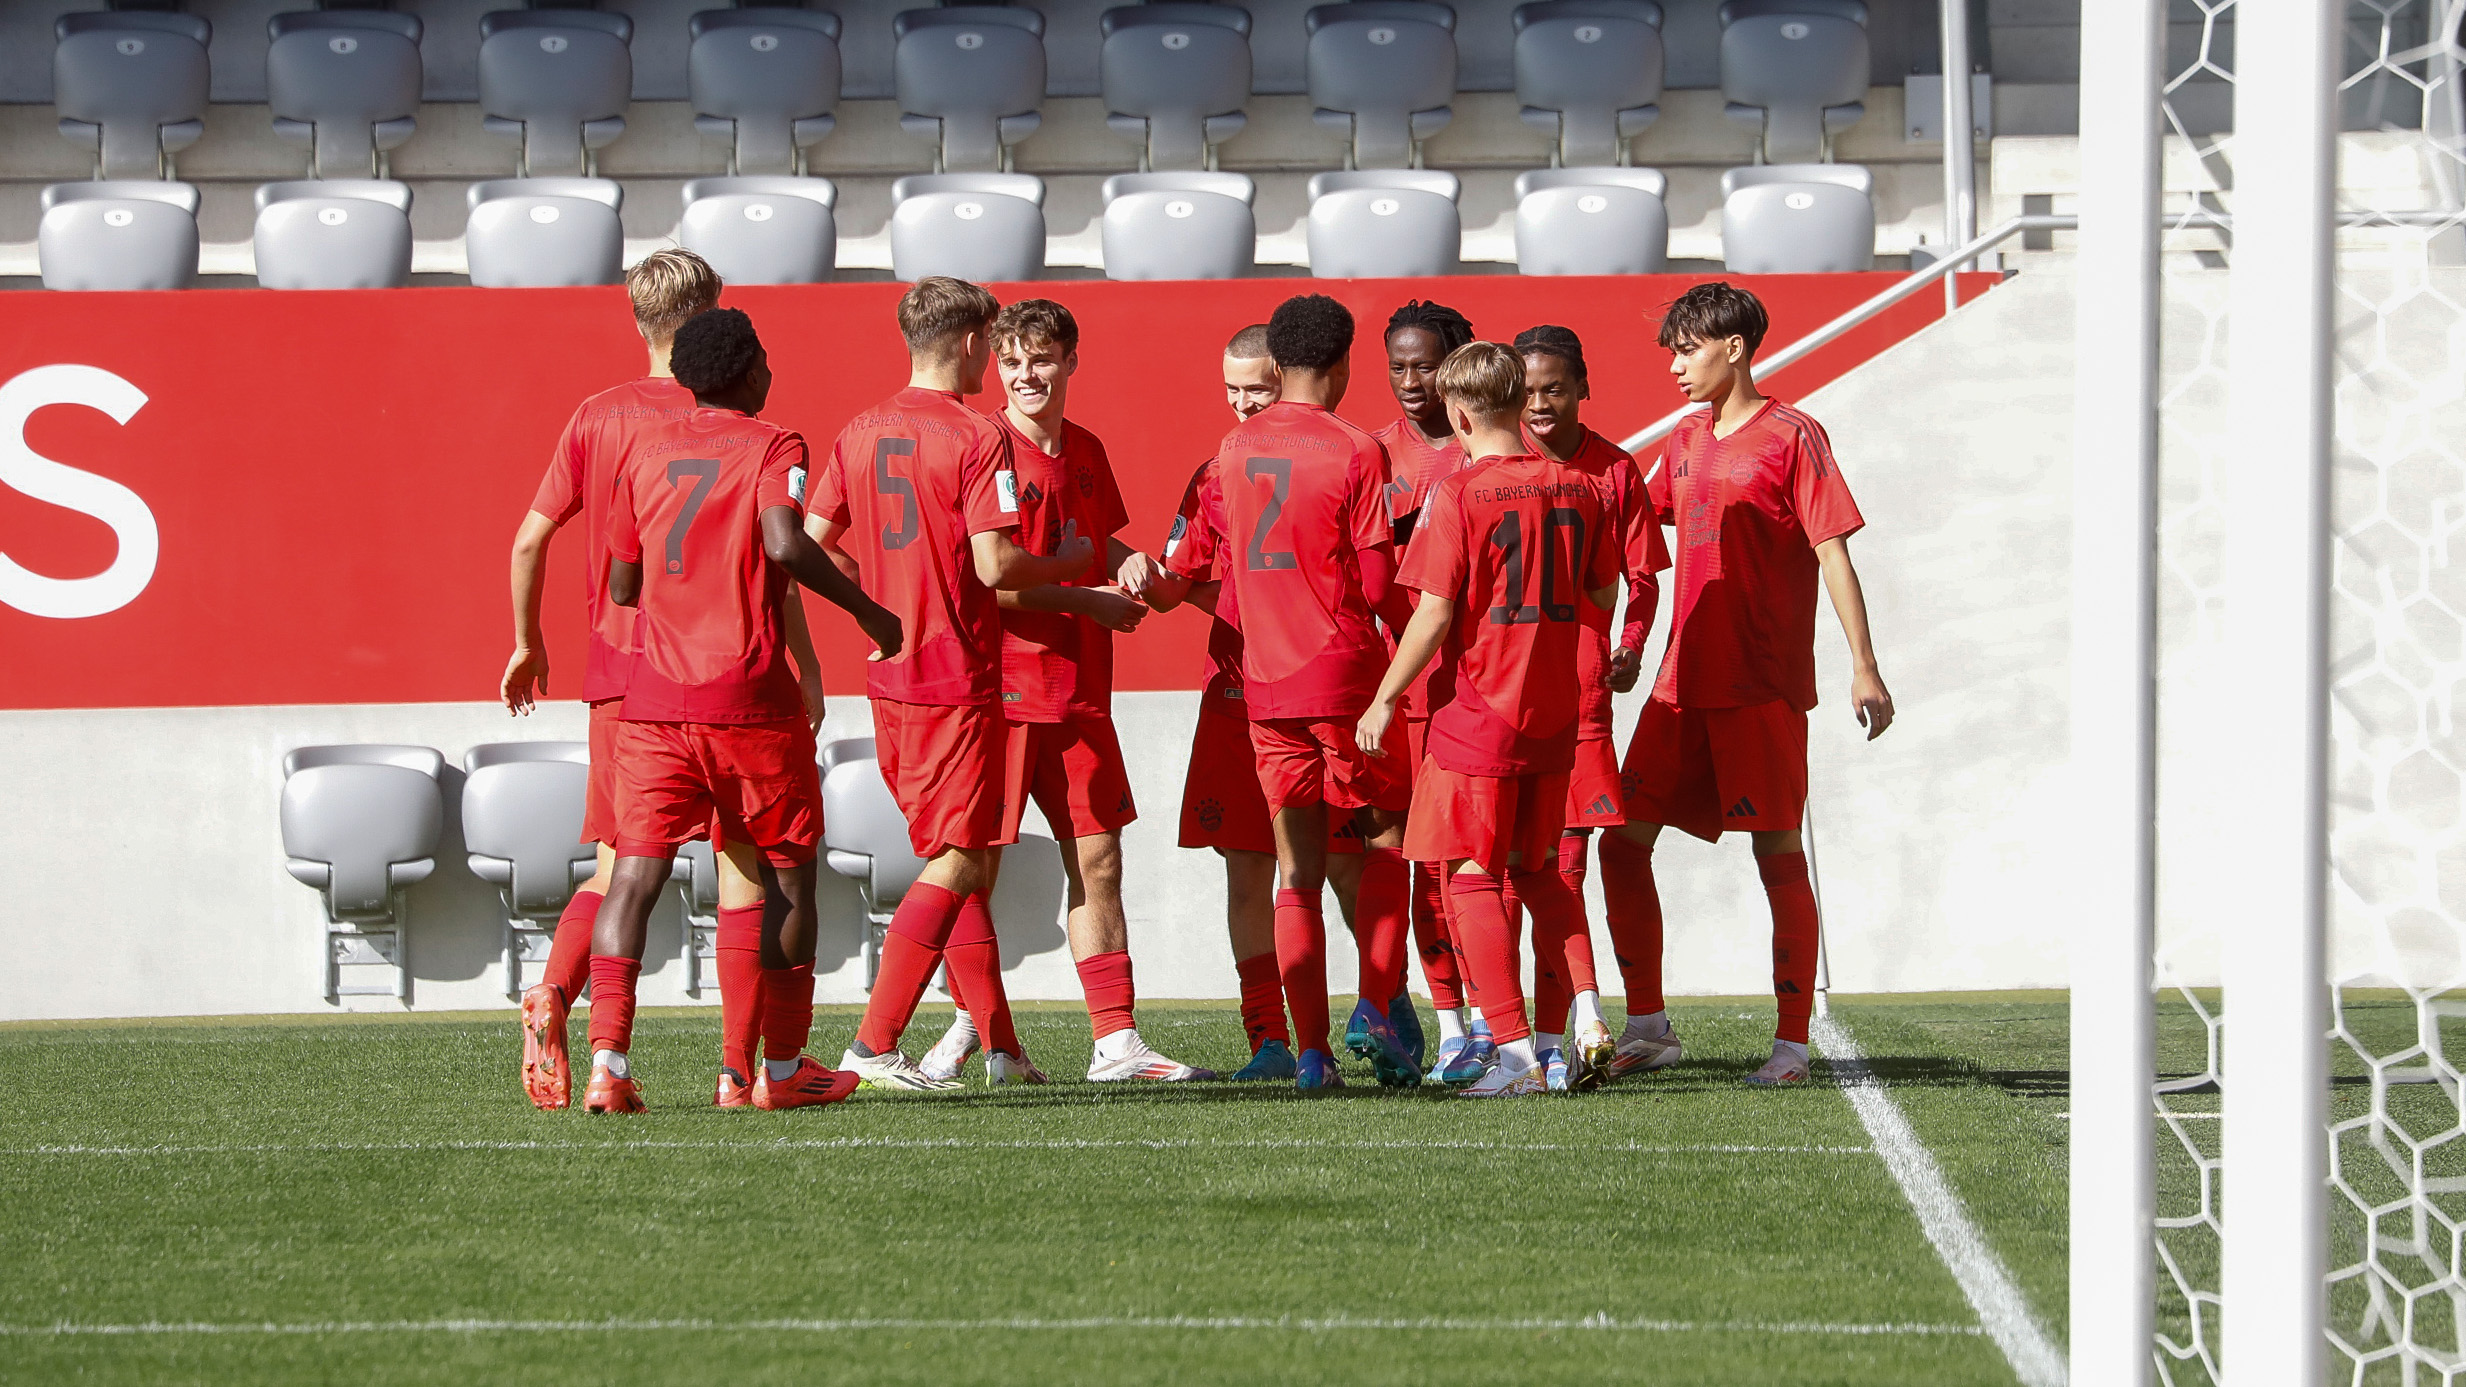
(941, 1144)
(1286, 1324)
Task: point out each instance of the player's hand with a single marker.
(1625, 664)
(881, 626)
(1138, 573)
(526, 677)
(1371, 731)
(1075, 548)
(1112, 608)
(1873, 701)
(810, 689)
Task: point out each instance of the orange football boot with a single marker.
(734, 1092)
(608, 1093)
(810, 1086)
(547, 1074)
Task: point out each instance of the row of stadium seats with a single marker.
(132, 84)
(987, 227)
(362, 823)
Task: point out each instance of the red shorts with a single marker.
(943, 764)
(1593, 792)
(756, 781)
(1075, 772)
(1486, 818)
(599, 813)
(1222, 805)
(1706, 770)
(1314, 760)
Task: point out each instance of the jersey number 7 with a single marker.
(1279, 472)
(704, 471)
(1508, 538)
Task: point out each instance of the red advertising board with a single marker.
(252, 497)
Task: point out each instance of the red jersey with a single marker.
(1641, 555)
(1414, 465)
(713, 644)
(1750, 509)
(910, 481)
(1056, 666)
(581, 474)
(1295, 500)
(1223, 693)
(1517, 543)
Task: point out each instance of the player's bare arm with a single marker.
(1004, 566)
(785, 543)
(1849, 602)
(1110, 607)
(808, 668)
(1627, 657)
(1418, 646)
(827, 534)
(625, 581)
(526, 674)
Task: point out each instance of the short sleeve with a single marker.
(783, 481)
(1366, 516)
(1818, 495)
(560, 491)
(1437, 561)
(988, 488)
(624, 527)
(1109, 516)
(1642, 548)
(826, 492)
(1198, 532)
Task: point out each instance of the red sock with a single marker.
(1635, 919)
(612, 1001)
(1511, 902)
(972, 970)
(1562, 946)
(1793, 939)
(909, 955)
(1262, 1001)
(1301, 959)
(1487, 944)
(569, 953)
(787, 1011)
(740, 987)
(1383, 908)
(1572, 860)
(1430, 932)
(1111, 1000)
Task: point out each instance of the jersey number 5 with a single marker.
(1508, 538)
(1279, 472)
(704, 471)
(887, 483)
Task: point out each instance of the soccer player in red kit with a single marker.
(918, 501)
(1761, 513)
(1555, 388)
(1298, 513)
(1507, 553)
(713, 729)
(666, 288)
(1057, 685)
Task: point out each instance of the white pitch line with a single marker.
(1314, 1325)
(2003, 1311)
(938, 1144)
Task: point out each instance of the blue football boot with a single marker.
(1554, 1073)
(1357, 1033)
(1407, 1022)
(1456, 1064)
(1483, 1048)
(1273, 1061)
(1388, 1058)
(1316, 1072)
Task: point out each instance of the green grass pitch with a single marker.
(372, 1201)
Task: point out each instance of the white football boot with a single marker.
(1132, 1059)
(1011, 1069)
(1501, 1082)
(950, 1054)
(892, 1072)
(1644, 1054)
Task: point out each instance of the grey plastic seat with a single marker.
(763, 230)
(1797, 70)
(334, 233)
(696, 874)
(982, 227)
(1194, 225)
(557, 80)
(764, 80)
(130, 85)
(1381, 74)
(522, 825)
(1175, 78)
(1798, 219)
(115, 234)
(527, 233)
(1592, 222)
(1384, 224)
(360, 824)
(346, 83)
(865, 837)
(971, 78)
(1589, 72)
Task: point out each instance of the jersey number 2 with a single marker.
(1508, 538)
(1279, 472)
(887, 483)
(704, 471)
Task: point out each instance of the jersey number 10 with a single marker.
(1508, 539)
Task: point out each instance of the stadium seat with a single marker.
(1175, 78)
(1798, 219)
(1796, 70)
(764, 80)
(529, 233)
(1384, 224)
(1592, 222)
(1381, 73)
(346, 83)
(1589, 73)
(696, 874)
(112, 234)
(334, 233)
(763, 230)
(522, 825)
(970, 78)
(130, 85)
(360, 824)
(558, 80)
(865, 837)
(982, 227)
(1194, 225)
